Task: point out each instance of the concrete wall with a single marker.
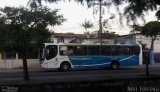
(128, 39)
(147, 41)
(17, 63)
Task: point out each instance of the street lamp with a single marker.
(101, 28)
(105, 21)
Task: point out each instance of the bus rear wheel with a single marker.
(65, 66)
(114, 65)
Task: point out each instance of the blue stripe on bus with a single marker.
(102, 61)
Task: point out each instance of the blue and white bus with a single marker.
(81, 56)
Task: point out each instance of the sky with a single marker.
(76, 14)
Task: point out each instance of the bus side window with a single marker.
(93, 50)
(116, 50)
(70, 50)
(80, 50)
(135, 50)
(125, 50)
(63, 50)
(66, 50)
(106, 50)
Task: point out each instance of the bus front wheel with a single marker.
(65, 66)
(114, 65)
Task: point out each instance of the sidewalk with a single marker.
(21, 70)
(144, 65)
(156, 65)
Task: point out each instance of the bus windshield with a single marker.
(51, 51)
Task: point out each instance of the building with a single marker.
(78, 38)
(140, 39)
(66, 38)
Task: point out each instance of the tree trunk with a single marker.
(147, 69)
(152, 55)
(149, 60)
(150, 50)
(25, 67)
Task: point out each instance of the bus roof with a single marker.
(74, 44)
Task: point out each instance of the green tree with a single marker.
(25, 27)
(151, 30)
(87, 24)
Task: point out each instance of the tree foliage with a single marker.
(27, 26)
(151, 29)
(134, 9)
(21, 28)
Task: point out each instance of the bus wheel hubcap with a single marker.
(65, 67)
(114, 66)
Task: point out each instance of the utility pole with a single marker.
(100, 21)
(100, 24)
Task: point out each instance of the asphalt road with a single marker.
(77, 75)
